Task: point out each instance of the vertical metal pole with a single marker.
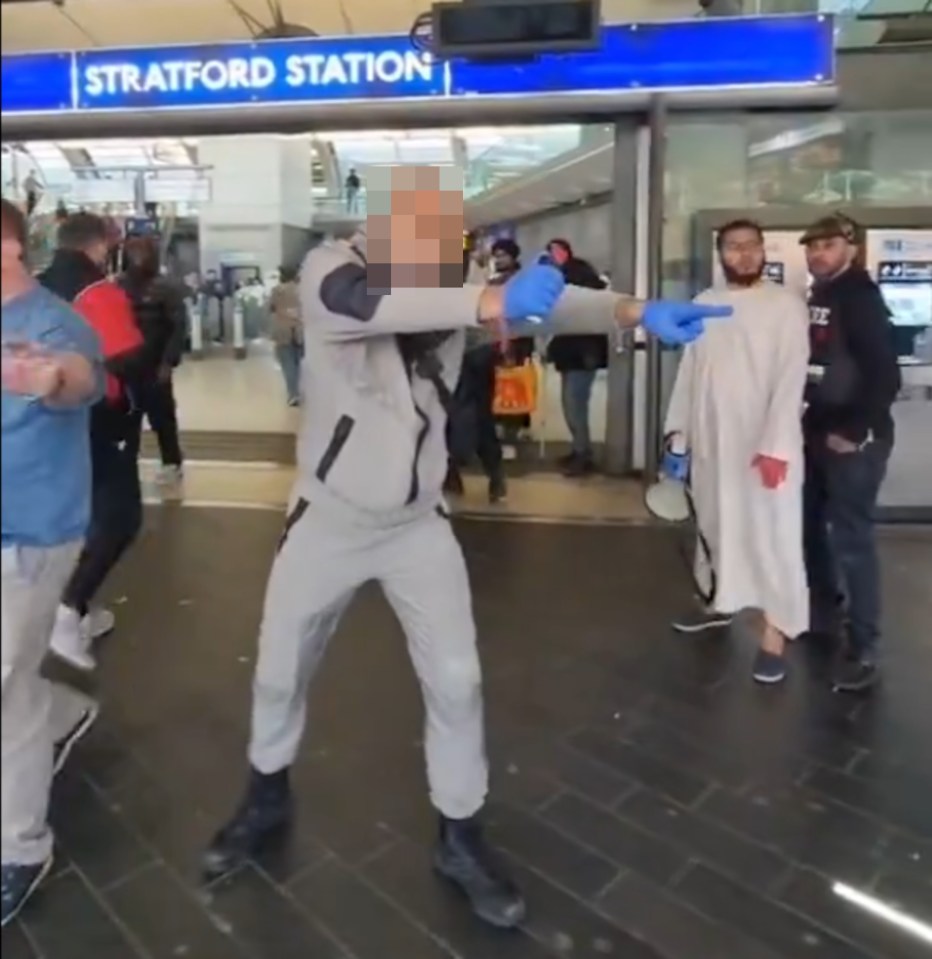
(619, 415)
(139, 193)
(655, 203)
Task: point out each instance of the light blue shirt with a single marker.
(46, 462)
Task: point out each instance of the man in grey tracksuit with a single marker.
(367, 505)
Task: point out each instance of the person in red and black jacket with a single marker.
(77, 274)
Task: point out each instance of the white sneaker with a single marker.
(72, 637)
(98, 623)
(170, 475)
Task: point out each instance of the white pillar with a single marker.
(261, 203)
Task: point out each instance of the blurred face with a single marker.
(558, 253)
(503, 260)
(12, 255)
(742, 256)
(141, 258)
(826, 258)
(415, 228)
(97, 252)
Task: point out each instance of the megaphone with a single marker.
(667, 500)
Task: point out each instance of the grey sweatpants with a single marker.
(321, 563)
(36, 712)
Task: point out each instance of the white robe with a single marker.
(739, 392)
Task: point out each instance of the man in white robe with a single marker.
(736, 408)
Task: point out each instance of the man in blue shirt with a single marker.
(52, 373)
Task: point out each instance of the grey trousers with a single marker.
(36, 712)
(321, 563)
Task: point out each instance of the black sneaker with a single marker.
(769, 668)
(262, 815)
(462, 857)
(855, 675)
(498, 489)
(702, 621)
(18, 884)
(579, 465)
(62, 749)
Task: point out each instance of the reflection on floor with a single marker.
(544, 496)
(652, 802)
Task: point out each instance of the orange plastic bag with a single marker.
(515, 390)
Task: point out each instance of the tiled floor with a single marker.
(653, 803)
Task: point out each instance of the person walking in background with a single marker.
(854, 381)
(471, 428)
(34, 190)
(162, 319)
(52, 373)
(77, 274)
(288, 332)
(351, 189)
(577, 359)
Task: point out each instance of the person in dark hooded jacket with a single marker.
(162, 318)
(577, 359)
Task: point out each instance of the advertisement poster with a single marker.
(901, 262)
(786, 261)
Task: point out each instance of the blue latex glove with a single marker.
(678, 323)
(532, 293)
(675, 466)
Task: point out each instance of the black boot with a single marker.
(264, 812)
(462, 857)
(453, 484)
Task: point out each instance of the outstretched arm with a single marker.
(583, 311)
(354, 312)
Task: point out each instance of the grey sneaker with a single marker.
(702, 621)
(769, 668)
(18, 884)
(855, 676)
(62, 749)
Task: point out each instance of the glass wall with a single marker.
(731, 161)
(820, 161)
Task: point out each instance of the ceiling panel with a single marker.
(108, 23)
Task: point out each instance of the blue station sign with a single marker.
(689, 55)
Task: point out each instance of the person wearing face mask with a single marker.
(854, 379)
(77, 274)
(162, 320)
(578, 357)
(735, 409)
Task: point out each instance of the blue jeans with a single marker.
(289, 358)
(840, 497)
(575, 394)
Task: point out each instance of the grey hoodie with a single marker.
(372, 443)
